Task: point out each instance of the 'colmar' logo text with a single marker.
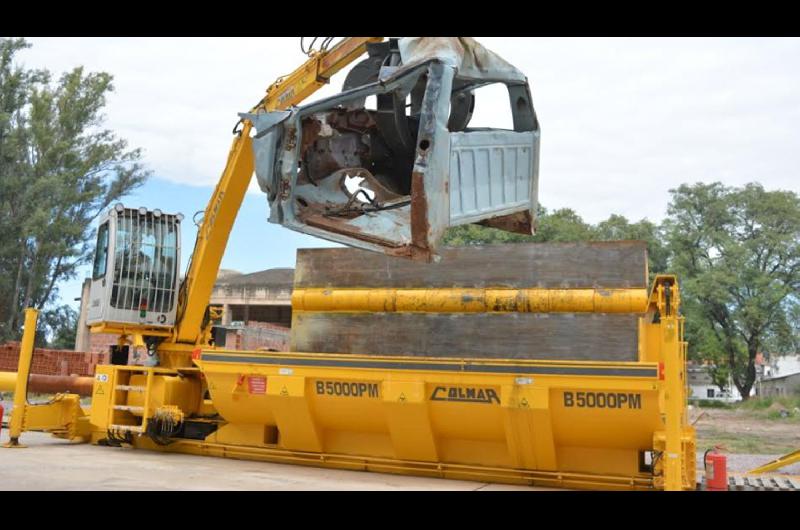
(465, 394)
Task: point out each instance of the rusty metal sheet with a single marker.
(561, 336)
(611, 265)
(468, 56)
(573, 337)
(394, 178)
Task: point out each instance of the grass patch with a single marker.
(789, 402)
(776, 415)
(783, 408)
(756, 403)
(742, 443)
(710, 404)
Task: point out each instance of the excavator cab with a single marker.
(393, 176)
(135, 269)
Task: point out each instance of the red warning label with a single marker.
(257, 385)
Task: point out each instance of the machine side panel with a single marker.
(610, 265)
(366, 326)
(562, 336)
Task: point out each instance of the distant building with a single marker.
(257, 311)
(780, 376)
(264, 296)
(784, 385)
(776, 375)
(779, 365)
(257, 308)
(701, 385)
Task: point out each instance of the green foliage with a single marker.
(57, 328)
(737, 256)
(763, 403)
(562, 225)
(617, 227)
(711, 404)
(565, 225)
(59, 168)
(744, 442)
(757, 403)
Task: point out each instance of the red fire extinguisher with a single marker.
(1, 418)
(716, 466)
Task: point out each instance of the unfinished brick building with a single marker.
(257, 311)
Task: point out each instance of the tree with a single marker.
(15, 86)
(561, 225)
(60, 169)
(737, 254)
(617, 227)
(57, 328)
(565, 225)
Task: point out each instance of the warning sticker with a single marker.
(257, 385)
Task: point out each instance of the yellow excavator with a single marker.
(553, 365)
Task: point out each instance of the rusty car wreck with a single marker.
(394, 178)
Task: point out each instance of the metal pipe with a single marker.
(49, 384)
(23, 371)
(471, 300)
(8, 381)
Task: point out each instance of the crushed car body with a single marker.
(393, 178)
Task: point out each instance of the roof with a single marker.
(779, 377)
(224, 274)
(277, 276)
(470, 59)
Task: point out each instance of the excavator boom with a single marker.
(192, 318)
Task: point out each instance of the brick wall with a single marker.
(52, 362)
(100, 342)
(258, 336)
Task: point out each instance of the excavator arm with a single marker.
(313, 74)
(220, 213)
(376, 179)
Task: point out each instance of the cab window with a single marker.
(101, 252)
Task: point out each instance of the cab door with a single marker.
(100, 267)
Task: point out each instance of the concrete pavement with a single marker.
(52, 464)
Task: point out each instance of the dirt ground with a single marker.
(90, 467)
(747, 437)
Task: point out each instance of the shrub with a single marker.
(710, 404)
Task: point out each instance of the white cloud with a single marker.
(623, 120)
